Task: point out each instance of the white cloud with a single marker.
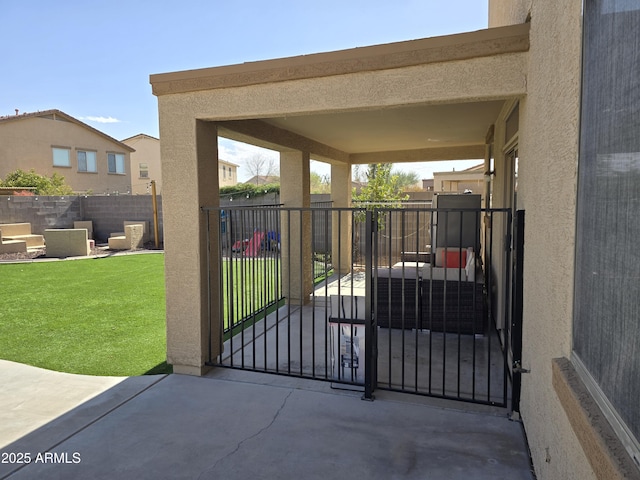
(101, 119)
(239, 153)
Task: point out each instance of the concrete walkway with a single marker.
(240, 425)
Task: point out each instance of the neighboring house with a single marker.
(551, 91)
(228, 174)
(458, 182)
(53, 142)
(263, 180)
(145, 164)
(427, 184)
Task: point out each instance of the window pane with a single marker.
(606, 324)
(82, 161)
(61, 157)
(119, 163)
(92, 164)
(111, 160)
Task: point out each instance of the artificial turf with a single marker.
(106, 316)
(102, 316)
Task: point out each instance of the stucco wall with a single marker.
(547, 191)
(508, 12)
(147, 151)
(227, 178)
(484, 78)
(26, 143)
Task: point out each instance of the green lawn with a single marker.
(97, 316)
(251, 284)
(106, 316)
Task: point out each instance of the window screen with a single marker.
(607, 295)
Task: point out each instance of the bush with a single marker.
(249, 190)
(43, 185)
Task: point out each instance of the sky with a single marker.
(92, 58)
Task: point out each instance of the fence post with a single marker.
(516, 315)
(370, 349)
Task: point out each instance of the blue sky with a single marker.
(92, 58)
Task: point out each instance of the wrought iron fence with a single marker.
(320, 293)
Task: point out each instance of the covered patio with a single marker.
(443, 98)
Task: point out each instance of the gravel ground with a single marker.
(40, 253)
(10, 257)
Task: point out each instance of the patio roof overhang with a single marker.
(420, 100)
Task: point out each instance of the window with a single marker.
(606, 324)
(87, 161)
(61, 157)
(144, 170)
(116, 162)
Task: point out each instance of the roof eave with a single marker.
(463, 46)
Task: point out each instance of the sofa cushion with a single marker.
(454, 258)
(451, 257)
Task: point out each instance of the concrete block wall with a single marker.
(42, 212)
(108, 213)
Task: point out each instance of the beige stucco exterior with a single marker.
(26, 142)
(145, 164)
(528, 63)
(548, 150)
(458, 181)
(228, 173)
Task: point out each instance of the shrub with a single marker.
(249, 190)
(43, 185)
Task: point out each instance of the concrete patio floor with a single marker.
(237, 425)
(299, 341)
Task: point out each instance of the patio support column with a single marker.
(341, 224)
(295, 187)
(189, 152)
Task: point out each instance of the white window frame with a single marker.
(118, 163)
(90, 161)
(61, 156)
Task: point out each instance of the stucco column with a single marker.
(341, 225)
(297, 275)
(189, 151)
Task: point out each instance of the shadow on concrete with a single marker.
(231, 424)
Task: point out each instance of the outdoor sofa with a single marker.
(446, 295)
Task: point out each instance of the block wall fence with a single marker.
(109, 212)
(106, 212)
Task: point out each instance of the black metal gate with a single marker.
(400, 299)
(433, 322)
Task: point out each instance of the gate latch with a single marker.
(517, 367)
